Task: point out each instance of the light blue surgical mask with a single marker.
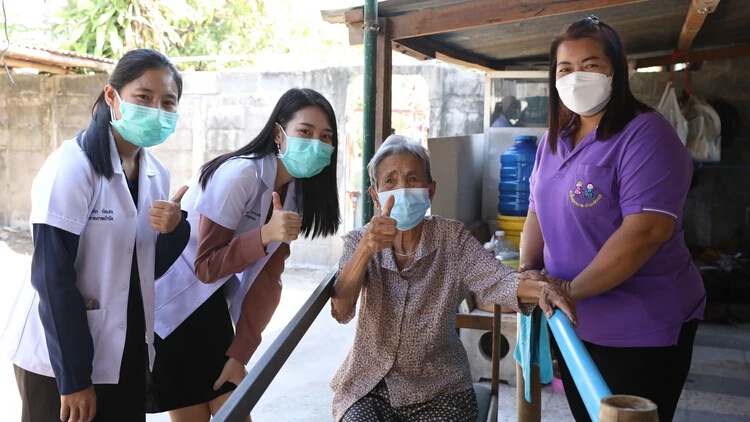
(304, 157)
(143, 126)
(410, 206)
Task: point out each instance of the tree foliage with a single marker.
(178, 28)
(108, 28)
(229, 27)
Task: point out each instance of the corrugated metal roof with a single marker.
(69, 54)
(52, 60)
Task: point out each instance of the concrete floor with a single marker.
(717, 390)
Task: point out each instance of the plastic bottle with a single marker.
(504, 249)
(516, 166)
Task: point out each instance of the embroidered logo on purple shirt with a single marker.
(585, 198)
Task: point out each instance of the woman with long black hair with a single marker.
(248, 206)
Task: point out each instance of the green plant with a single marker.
(189, 28)
(108, 28)
(223, 27)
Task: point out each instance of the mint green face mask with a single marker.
(304, 157)
(143, 126)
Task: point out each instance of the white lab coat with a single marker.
(67, 194)
(238, 197)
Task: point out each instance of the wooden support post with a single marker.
(383, 84)
(525, 411)
(627, 409)
(696, 15)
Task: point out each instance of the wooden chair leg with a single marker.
(496, 335)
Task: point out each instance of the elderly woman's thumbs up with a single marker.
(382, 230)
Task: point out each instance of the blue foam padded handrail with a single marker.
(588, 380)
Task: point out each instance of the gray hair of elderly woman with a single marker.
(395, 145)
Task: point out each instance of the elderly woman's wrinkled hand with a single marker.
(555, 294)
(382, 230)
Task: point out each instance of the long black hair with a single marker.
(622, 106)
(317, 196)
(94, 141)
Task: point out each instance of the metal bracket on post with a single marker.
(371, 26)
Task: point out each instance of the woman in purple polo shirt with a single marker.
(607, 192)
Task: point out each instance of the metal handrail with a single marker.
(248, 393)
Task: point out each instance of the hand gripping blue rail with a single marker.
(588, 380)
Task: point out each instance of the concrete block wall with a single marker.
(37, 113)
(219, 112)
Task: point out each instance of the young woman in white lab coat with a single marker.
(248, 206)
(81, 334)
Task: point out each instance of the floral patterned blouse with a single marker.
(406, 331)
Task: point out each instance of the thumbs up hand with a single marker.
(165, 216)
(382, 230)
(284, 226)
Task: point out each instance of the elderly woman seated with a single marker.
(411, 271)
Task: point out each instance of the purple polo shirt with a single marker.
(581, 196)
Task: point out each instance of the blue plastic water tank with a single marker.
(516, 166)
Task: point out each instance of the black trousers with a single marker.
(114, 402)
(655, 373)
(122, 402)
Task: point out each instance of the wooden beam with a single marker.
(419, 55)
(474, 322)
(356, 33)
(356, 14)
(334, 16)
(488, 12)
(696, 15)
(383, 84)
(42, 67)
(471, 64)
(696, 56)
(442, 52)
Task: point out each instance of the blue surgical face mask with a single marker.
(410, 206)
(304, 157)
(143, 126)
